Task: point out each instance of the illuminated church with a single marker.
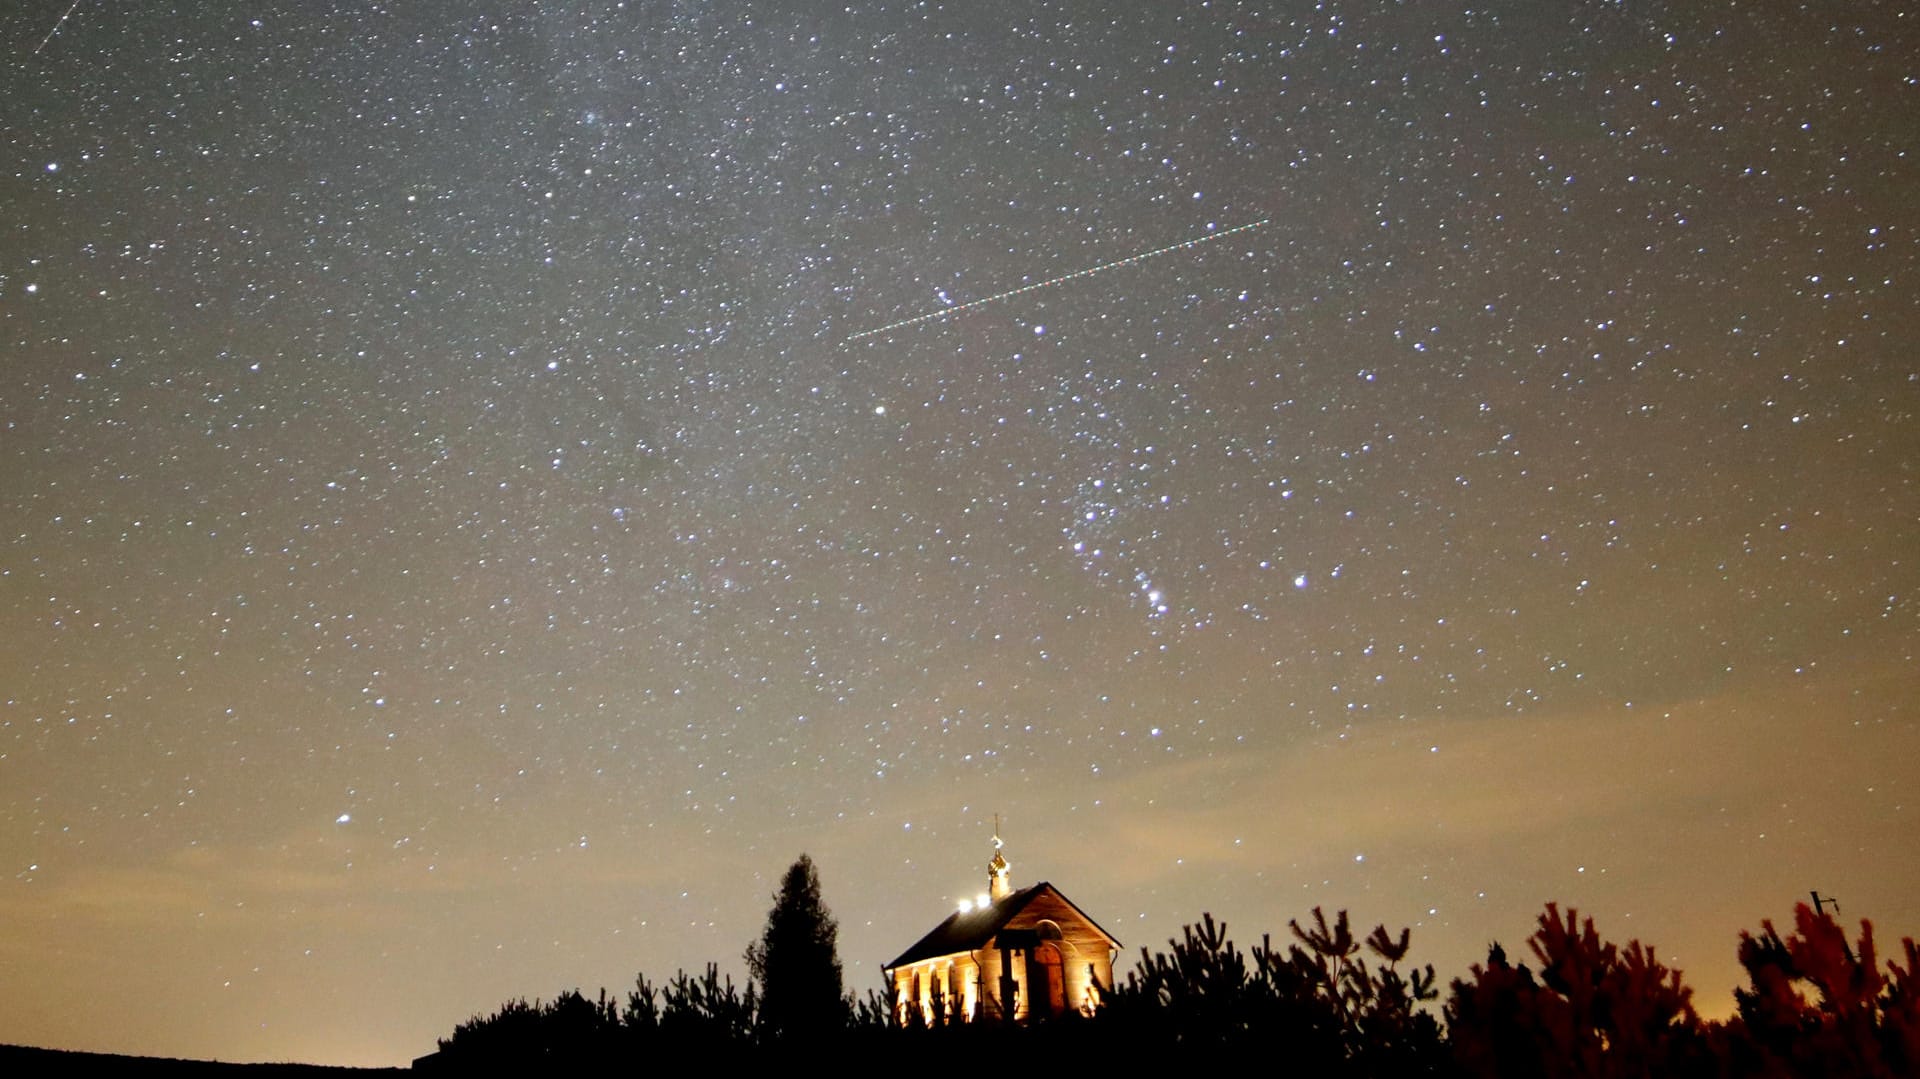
(1012, 956)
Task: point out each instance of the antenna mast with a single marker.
(1820, 906)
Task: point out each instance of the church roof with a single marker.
(974, 930)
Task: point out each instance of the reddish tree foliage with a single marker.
(1859, 1021)
(1594, 1011)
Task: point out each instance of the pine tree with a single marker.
(796, 961)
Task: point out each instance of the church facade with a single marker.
(1020, 955)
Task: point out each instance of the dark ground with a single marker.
(23, 1061)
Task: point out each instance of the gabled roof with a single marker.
(974, 930)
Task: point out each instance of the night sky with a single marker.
(451, 550)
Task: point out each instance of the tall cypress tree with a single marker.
(796, 961)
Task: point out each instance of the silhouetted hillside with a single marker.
(26, 1060)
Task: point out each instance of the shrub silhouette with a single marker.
(1318, 999)
(1859, 1022)
(1595, 1010)
(706, 1012)
(570, 1030)
(1326, 1003)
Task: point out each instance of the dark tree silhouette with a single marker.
(1861, 1022)
(1376, 1011)
(1329, 1003)
(570, 1030)
(796, 961)
(1317, 999)
(1596, 1010)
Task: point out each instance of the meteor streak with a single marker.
(946, 312)
(56, 28)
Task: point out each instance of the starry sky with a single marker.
(459, 538)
